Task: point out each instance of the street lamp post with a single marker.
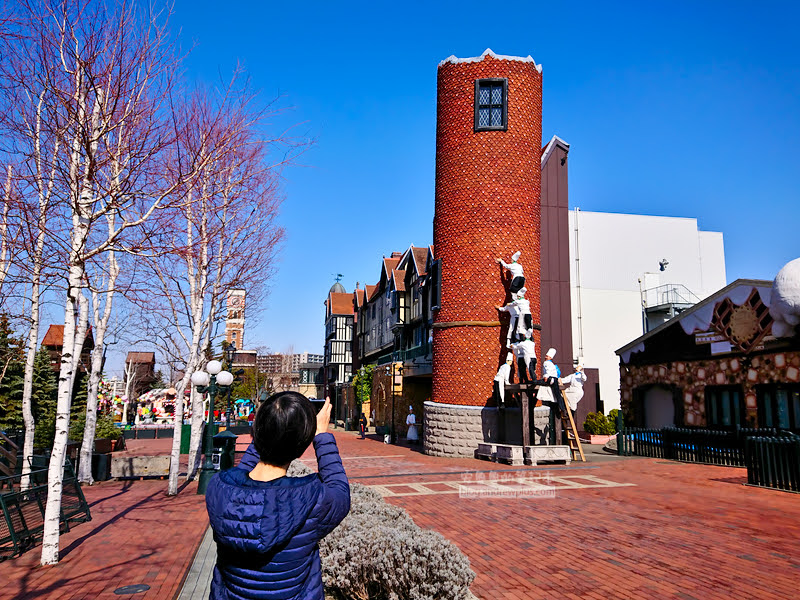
(230, 354)
(213, 380)
(392, 436)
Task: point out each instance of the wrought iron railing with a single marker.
(774, 462)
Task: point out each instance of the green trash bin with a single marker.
(186, 434)
(224, 450)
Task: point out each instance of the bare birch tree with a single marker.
(230, 237)
(110, 69)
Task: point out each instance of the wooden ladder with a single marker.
(573, 440)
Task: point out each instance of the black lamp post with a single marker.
(392, 436)
(212, 381)
(230, 355)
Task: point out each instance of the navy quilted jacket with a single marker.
(267, 532)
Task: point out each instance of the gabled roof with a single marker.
(698, 317)
(139, 358)
(340, 303)
(360, 298)
(389, 265)
(55, 337)
(420, 258)
(399, 280)
(551, 145)
(372, 290)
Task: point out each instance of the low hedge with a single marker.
(379, 553)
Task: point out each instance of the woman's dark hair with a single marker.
(284, 427)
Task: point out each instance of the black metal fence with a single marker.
(708, 446)
(774, 462)
(772, 458)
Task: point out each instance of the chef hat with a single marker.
(521, 292)
(551, 353)
(509, 357)
(529, 333)
(516, 255)
(410, 407)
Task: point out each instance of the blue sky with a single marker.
(671, 108)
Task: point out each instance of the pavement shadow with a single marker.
(85, 578)
(95, 530)
(737, 480)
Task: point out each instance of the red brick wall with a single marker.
(487, 206)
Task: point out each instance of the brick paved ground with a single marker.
(652, 529)
(137, 535)
(681, 531)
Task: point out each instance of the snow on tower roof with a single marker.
(488, 52)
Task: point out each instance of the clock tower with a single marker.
(234, 323)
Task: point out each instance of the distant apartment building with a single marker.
(286, 363)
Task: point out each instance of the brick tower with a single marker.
(488, 170)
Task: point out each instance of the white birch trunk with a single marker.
(196, 439)
(101, 326)
(5, 258)
(81, 197)
(44, 193)
(175, 455)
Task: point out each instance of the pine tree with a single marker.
(43, 399)
(11, 373)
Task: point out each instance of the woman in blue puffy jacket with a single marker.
(266, 525)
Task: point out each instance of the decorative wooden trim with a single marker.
(466, 324)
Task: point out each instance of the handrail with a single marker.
(669, 293)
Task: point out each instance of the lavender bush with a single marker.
(379, 553)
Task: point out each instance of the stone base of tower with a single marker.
(456, 431)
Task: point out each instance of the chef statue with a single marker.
(521, 321)
(525, 351)
(574, 383)
(549, 392)
(501, 380)
(512, 308)
(517, 276)
(411, 421)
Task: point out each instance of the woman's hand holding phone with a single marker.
(324, 417)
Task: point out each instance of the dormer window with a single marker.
(491, 104)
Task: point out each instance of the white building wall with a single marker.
(609, 255)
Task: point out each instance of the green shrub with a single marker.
(379, 553)
(612, 418)
(596, 423)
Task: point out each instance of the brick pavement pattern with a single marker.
(681, 531)
(649, 529)
(137, 535)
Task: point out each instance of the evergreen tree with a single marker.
(43, 399)
(11, 377)
(159, 382)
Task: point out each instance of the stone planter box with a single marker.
(596, 439)
(139, 466)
